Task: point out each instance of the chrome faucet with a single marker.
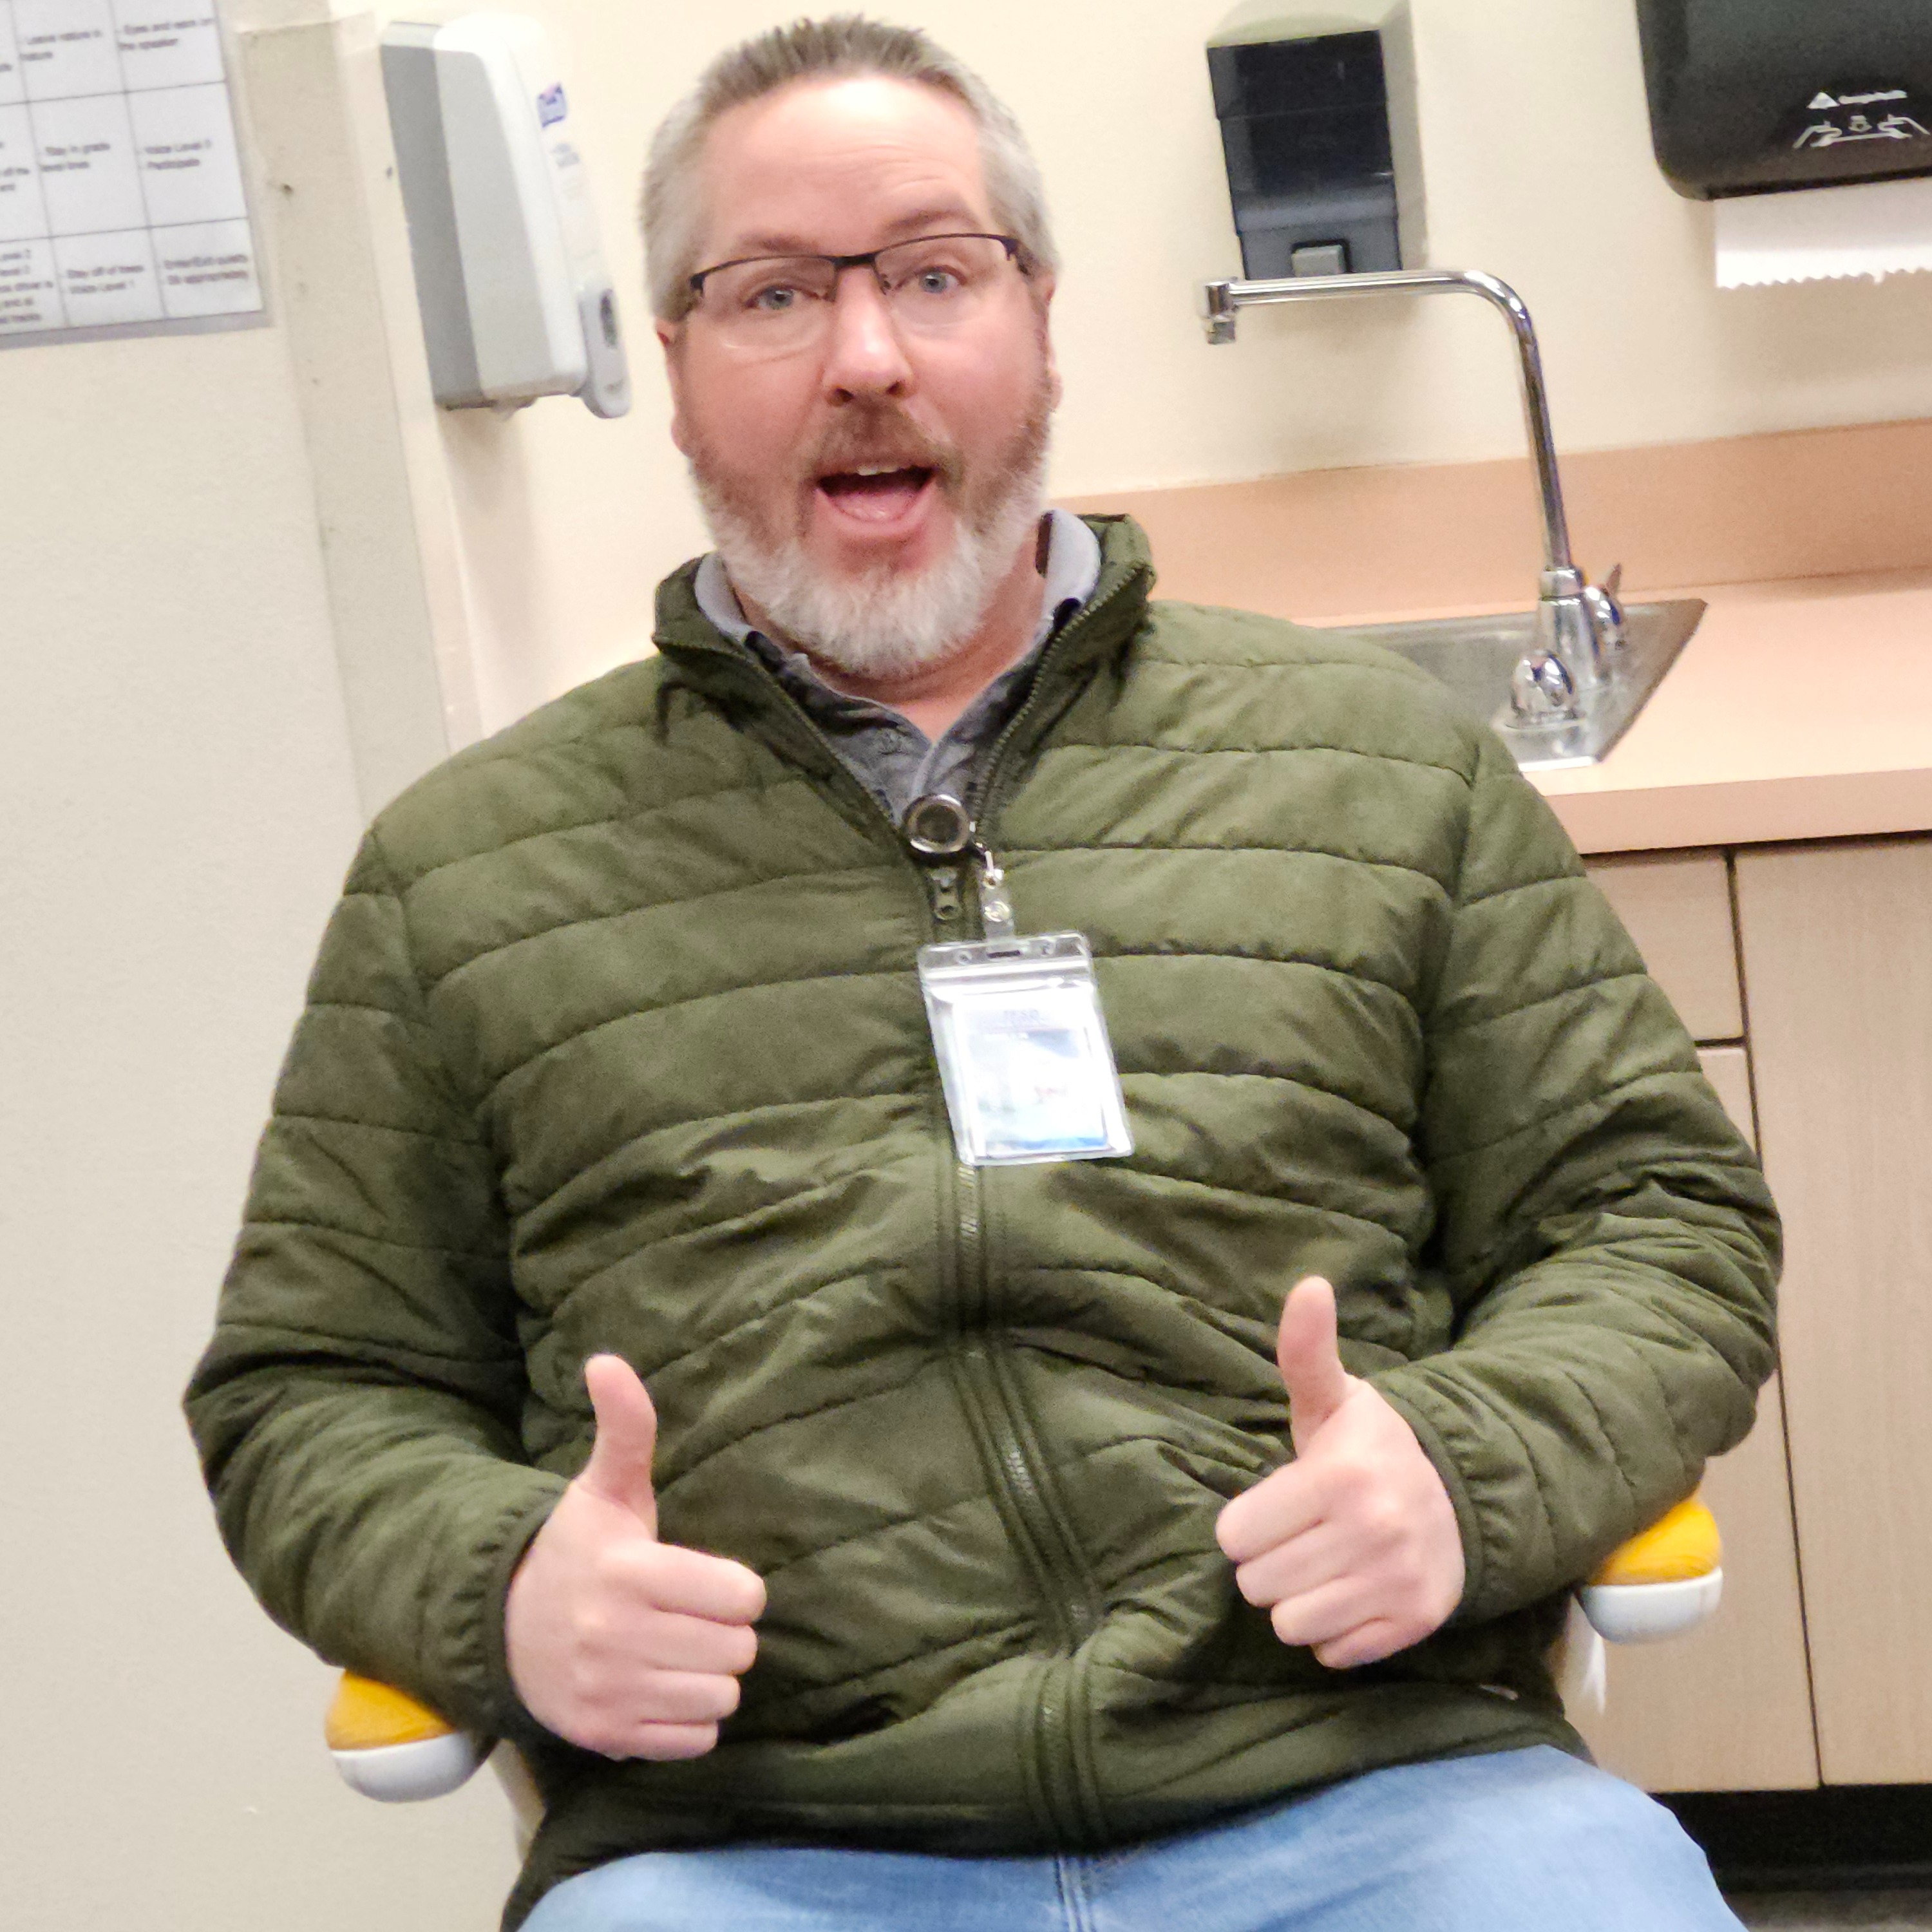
(1569, 672)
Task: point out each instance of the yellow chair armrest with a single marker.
(387, 1746)
(1660, 1584)
(365, 1715)
(1677, 1547)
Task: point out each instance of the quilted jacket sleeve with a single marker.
(1605, 1234)
(357, 1411)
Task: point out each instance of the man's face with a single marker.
(956, 417)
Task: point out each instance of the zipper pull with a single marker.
(938, 831)
(938, 827)
(942, 885)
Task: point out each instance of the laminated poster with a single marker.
(122, 210)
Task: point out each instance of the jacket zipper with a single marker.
(1061, 1571)
(1048, 1546)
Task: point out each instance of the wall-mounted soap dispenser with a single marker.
(1319, 128)
(517, 302)
(1748, 96)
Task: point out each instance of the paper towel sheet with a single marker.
(1804, 235)
(1807, 234)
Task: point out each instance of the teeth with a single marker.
(878, 469)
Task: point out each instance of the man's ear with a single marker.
(669, 335)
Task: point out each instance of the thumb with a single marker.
(1311, 1366)
(619, 1467)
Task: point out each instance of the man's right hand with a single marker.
(616, 1642)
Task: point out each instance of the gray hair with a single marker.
(846, 45)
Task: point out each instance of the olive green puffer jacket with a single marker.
(615, 1043)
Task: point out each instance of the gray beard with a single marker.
(884, 621)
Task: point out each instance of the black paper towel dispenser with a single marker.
(1318, 115)
(1749, 96)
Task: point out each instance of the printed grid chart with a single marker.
(120, 195)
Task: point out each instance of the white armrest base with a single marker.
(1649, 1612)
(404, 1774)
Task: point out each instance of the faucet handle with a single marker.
(1542, 692)
(1606, 614)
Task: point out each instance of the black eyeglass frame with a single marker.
(1015, 250)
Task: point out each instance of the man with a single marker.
(619, 1355)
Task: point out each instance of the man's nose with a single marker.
(864, 354)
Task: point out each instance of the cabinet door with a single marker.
(1727, 1708)
(1838, 950)
(1677, 907)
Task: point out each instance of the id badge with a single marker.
(1023, 1051)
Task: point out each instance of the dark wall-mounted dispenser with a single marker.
(1749, 96)
(1319, 126)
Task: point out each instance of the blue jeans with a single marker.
(1516, 1841)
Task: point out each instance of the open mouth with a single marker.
(876, 493)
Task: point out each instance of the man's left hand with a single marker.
(1352, 1548)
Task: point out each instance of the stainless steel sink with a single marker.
(1478, 658)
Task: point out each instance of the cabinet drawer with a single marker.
(1677, 906)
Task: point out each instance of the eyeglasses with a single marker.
(775, 304)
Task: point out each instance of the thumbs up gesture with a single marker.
(1352, 1548)
(617, 1642)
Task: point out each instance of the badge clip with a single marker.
(1017, 1028)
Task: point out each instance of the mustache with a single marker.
(874, 433)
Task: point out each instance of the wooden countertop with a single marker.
(1799, 710)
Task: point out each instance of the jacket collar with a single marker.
(697, 654)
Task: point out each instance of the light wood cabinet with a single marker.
(1812, 964)
(1837, 953)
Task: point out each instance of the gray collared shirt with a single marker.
(889, 755)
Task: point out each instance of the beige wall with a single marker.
(177, 792)
(179, 795)
(1537, 153)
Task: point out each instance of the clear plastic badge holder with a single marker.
(1023, 1051)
